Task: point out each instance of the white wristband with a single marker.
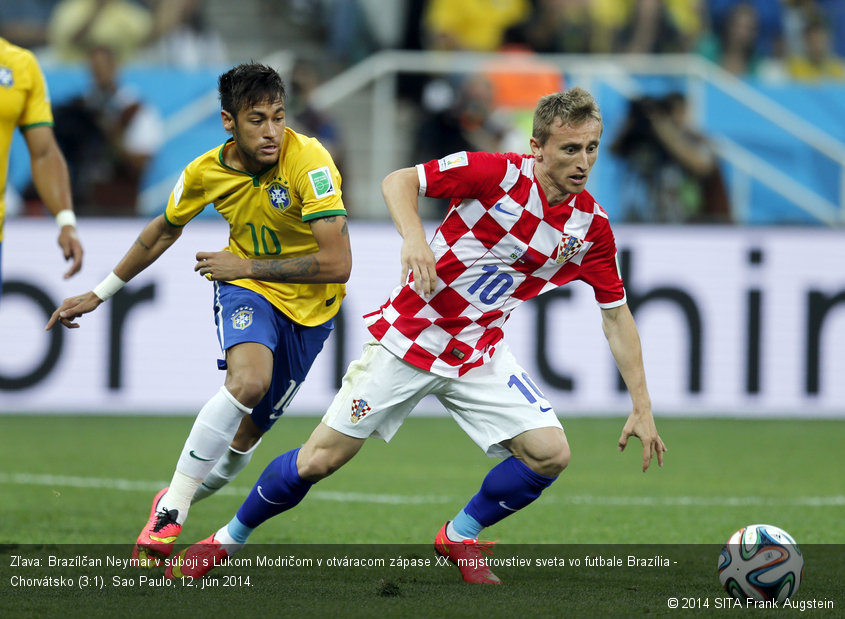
(66, 217)
(109, 286)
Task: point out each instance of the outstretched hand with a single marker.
(72, 308)
(642, 426)
(71, 249)
(417, 258)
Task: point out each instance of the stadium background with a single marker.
(736, 320)
(742, 325)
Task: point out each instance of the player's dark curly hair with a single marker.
(249, 84)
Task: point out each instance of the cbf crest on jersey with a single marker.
(242, 317)
(279, 195)
(7, 78)
(360, 408)
(568, 247)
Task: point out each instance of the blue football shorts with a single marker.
(242, 315)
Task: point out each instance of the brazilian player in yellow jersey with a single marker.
(25, 104)
(277, 286)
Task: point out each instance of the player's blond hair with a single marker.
(572, 107)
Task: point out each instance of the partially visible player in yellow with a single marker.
(25, 104)
(277, 286)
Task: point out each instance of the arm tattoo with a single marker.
(142, 244)
(285, 270)
(344, 231)
(291, 269)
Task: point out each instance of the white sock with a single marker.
(452, 534)
(227, 468)
(213, 430)
(172, 500)
(227, 541)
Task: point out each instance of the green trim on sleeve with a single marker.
(322, 214)
(170, 222)
(46, 123)
(194, 216)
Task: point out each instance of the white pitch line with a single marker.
(704, 501)
(100, 483)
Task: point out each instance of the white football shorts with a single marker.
(492, 403)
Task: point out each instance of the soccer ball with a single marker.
(762, 563)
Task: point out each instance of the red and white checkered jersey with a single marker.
(500, 244)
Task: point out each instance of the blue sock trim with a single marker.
(466, 525)
(238, 530)
(540, 481)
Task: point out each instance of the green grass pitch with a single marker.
(79, 482)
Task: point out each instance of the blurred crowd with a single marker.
(110, 133)
(804, 39)
(171, 32)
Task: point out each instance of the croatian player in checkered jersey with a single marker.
(277, 286)
(518, 226)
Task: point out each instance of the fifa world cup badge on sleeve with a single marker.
(455, 160)
(321, 182)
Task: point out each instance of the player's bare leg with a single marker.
(544, 450)
(325, 451)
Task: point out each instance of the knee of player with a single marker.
(242, 443)
(317, 464)
(248, 389)
(553, 462)
(560, 460)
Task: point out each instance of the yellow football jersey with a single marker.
(268, 215)
(24, 103)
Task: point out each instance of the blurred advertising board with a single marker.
(738, 321)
